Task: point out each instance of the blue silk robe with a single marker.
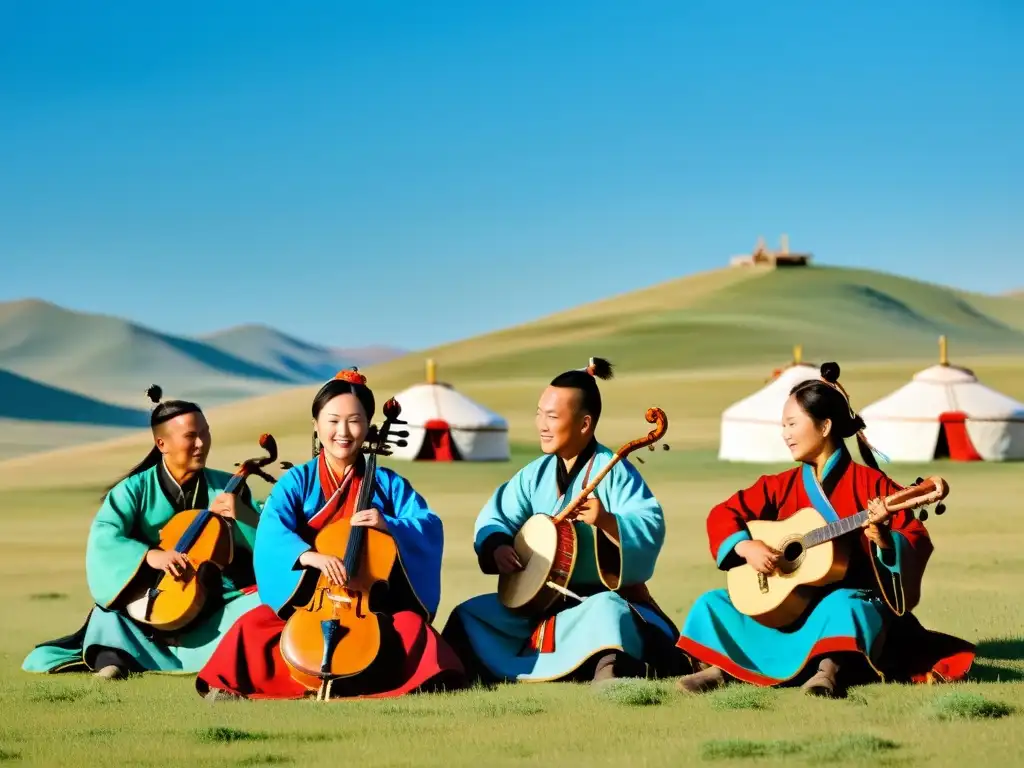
(516, 648)
(284, 534)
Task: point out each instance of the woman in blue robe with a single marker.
(248, 661)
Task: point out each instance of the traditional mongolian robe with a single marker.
(617, 613)
(125, 529)
(866, 614)
(248, 661)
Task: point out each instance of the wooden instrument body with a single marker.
(170, 604)
(546, 546)
(207, 540)
(778, 599)
(306, 651)
(547, 550)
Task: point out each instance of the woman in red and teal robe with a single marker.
(856, 630)
(413, 657)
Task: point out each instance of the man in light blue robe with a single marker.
(611, 627)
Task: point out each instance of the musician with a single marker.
(124, 548)
(248, 662)
(857, 630)
(617, 630)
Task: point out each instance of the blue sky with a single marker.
(306, 165)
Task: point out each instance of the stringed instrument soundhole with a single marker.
(793, 552)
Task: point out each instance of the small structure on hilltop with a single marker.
(445, 425)
(751, 429)
(946, 412)
(765, 257)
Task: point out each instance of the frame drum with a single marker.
(547, 551)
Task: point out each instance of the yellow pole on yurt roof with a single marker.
(943, 351)
(431, 371)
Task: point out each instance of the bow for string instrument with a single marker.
(337, 633)
(546, 545)
(167, 603)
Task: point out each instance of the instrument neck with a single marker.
(357, 536)
(235, 484)
(836, 529)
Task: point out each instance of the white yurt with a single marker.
(445, 425)
(752, 427)
(946, 412)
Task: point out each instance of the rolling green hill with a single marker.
(739, 317)
(113, 360)
(692, 345)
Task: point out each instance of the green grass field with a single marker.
(972, 589)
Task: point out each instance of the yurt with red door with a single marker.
(946, 412)
(445, 425)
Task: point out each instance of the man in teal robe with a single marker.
(610, 627)
(123, 552)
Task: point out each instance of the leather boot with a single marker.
(708, 679)
(825, 681)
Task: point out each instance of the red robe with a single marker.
(910, 652)
(414, 657)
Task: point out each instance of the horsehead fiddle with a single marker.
(167, 603)
(337, 634)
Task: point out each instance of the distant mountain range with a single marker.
(58, 365)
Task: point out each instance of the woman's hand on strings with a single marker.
(877, 529)
(330, 566)
(758, 555)
(370, 518)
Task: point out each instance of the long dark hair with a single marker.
(348, 382)
(827, 399)
(585, 380)
(164, 411)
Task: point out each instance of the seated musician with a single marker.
(617, 630)
(248, 663)
(123, 550)
(855, 630)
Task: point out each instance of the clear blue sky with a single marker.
(230, 162)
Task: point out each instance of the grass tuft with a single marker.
(852, 746)
(632, 692)
(224, 735)
(742, 697)
(960, 705)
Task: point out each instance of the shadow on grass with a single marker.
(1002, 648)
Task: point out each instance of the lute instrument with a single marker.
(546, 544)
(337, 634)
(812, 554)
(167, 603)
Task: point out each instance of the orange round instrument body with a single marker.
(171, 604)
(337, 633)
(167, 603)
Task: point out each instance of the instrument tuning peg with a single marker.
(401, 443)
(286, 465)
(919, 481)
(922, 515)
(664, 446)
(403, 433)
(640, 459)
(940, 508)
